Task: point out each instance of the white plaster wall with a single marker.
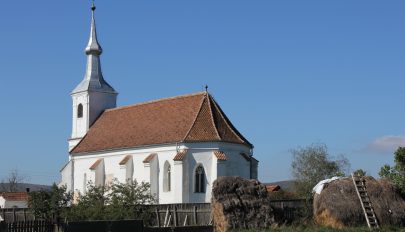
(66, 173)
(82, 163)
(80, 125)
(2, 202)
(182, 189)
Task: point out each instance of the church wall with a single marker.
(182, 172)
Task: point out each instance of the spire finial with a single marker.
(206, 88)
(93, 6)
(93, 47)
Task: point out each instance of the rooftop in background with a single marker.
(15, 196)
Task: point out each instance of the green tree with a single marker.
(50, 204)
(118, 201)
(312, 164)
(396, 174)
(126, 200)
(360, 172)
(91, 205)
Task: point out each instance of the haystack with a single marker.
(339, 206)
(238, 203)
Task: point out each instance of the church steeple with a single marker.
(93, 95)
(93, 78)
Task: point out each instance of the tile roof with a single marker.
(125, 160)
(180, 155)
(15, 196)
(220, 155)
(95, 165)
(188, 118)
(272, 188)
(149, 158)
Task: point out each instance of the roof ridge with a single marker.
(230, 125)
(195, 119)
(212, 116)
(154, 101)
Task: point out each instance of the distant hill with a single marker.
(286, 184)
(4, 187)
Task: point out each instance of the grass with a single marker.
(324, 229)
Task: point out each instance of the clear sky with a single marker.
(287, 73)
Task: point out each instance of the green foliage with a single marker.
(48, 204)
(313, 164)
(126, 200)
(118, 201)
(396, 174)
(360, 172)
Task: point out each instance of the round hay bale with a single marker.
(238, 203)
(338, 205)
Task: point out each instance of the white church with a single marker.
(180, 145)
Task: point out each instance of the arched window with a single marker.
(167, 177)
(80, 111)
(199, 179)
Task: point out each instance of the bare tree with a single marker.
(11, 182)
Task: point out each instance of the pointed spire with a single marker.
(93, 79)
(93, 47)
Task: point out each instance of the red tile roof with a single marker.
(272, 188)
(180, 155)
(149, 158)
(220, 155)
(16, 196)
(125, 160)
(189, 118)
(95, 165)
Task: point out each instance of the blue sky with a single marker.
(287, 73)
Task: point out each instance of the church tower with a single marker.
(93, 95)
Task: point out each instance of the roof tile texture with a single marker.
(16, 196)
(180, 155)
(220, 155)
(188, 118)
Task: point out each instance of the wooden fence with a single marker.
(99, 226)
(174, 215)
(16, 215)
(27, 226)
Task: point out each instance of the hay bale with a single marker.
(338, 205)
(238, 203)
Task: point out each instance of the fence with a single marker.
(175, 215)
(27, 226)
(288, 211)
(16, 215)
(99, 226)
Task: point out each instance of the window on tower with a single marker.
(80, 111)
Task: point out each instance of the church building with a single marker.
(180, 145)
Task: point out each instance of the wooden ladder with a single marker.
(359, 184)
